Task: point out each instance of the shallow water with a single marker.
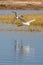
(9, 55)
(20, 11)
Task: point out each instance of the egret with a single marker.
(22, 20)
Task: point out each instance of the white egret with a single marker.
(22, 20)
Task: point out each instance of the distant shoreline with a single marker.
(21, 5)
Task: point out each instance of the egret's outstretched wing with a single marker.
(19, 17)
(31, 21)
(22, 19)
(28, 23)
(14, 13)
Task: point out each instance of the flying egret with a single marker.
(23, 21)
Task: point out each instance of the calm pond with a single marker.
(31, 52)
(9, 55)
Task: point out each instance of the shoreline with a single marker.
(21, 5)
(10, 30)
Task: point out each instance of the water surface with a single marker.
(10, 56)
(20, 11)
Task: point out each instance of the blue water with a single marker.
(8, 55)
(20, 11)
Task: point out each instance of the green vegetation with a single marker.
(34, 26)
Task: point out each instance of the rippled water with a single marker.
(9, 55)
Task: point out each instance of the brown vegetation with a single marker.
(22, 5)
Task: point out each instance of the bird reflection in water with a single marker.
(23, 50)
(16, 46)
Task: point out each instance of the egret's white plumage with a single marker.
(17, 17)
(28, 23)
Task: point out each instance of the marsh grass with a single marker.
(34, 26)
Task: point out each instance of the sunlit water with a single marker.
(9, 55)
